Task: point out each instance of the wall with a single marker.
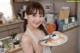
(79, 12)
(79, 23)
(18, 6)
(57, 4)
(79, 39)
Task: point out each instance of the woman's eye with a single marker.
(41, 16)
(34, 15)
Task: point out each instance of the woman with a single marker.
(34, 30)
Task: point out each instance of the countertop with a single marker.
(18, 49)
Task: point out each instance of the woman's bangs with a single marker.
(41, 12)
(35, 10)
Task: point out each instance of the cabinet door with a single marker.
(4, 28)
(16, 30)
(4, 34)
(13, 26)
(21, 27)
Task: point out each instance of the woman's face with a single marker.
(35, 20)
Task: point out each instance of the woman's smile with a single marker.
(37, 23)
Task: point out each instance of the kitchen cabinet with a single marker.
(3, 34)
(9, 28)
(71, 46)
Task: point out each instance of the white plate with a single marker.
(59, 43)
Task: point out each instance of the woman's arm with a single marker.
(26, 45)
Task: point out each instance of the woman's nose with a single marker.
(37, 19)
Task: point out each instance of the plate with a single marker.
(63, 39)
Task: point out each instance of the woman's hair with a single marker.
(33, 8)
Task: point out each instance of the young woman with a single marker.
(34, 30)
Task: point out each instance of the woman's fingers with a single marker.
(56, 32)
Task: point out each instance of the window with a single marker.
(5, 8)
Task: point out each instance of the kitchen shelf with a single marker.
(9, 28)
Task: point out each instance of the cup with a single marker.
(51, 28)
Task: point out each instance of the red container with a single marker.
(51, 28)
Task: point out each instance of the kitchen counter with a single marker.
(18, 21)
(71, 46)
(71, 29)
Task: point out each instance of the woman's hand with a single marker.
(56, 32)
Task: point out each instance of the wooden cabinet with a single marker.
(21, 26)
(16, 30)
(3, 34)
(3, 29)
(7, 29)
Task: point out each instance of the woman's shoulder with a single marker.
(25, 37)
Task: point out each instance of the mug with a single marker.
(51, 28)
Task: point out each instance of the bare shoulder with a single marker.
(26, 43)
(25, 38)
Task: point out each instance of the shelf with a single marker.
(19, 21)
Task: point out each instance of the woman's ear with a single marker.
(25, 16)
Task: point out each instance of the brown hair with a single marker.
(32, 8)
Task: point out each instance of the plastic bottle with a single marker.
(1, 47)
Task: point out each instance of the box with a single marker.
(64, 13)
(62, 26)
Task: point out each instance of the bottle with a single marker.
(1, 47)
(56, 22)
(57, 25)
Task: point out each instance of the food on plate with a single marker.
(54, 39)
(61, 38)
